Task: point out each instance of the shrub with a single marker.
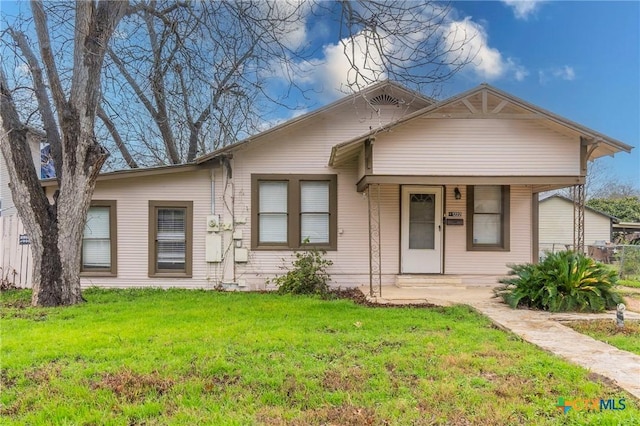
(628, 257)
(563, 281)
(308, 275)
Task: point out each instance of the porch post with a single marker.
(578, 195)
(375, 255)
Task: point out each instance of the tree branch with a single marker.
(113, 130)
(40, 90)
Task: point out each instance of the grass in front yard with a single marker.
(627, 338)
(196, 357)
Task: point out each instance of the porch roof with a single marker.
(507, 107)
(537, 183)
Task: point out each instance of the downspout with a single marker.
(213, 192)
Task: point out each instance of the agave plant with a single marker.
(563, 281)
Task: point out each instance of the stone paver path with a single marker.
(543, 329)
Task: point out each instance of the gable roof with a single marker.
(383, 87)
(601, 144)
(563, 198)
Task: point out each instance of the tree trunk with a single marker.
(55, 227)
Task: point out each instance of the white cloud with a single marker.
(519, 72)
(290, 17)
(522, 9)
(335, 71)
(564, 72)
(488, 63)
(332, 73)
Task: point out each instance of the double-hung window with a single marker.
(294, 211)
(273, 212)
(99, 241)
(170, 238)
(488, 217)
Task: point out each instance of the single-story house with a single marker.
(390, 183)
(556, 225)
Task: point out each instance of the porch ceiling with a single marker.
(537, 183)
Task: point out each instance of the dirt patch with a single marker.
(16, 304)
(353, 379)
(6, 382)
(45, 373)
(360, 298)
(343, 415)
(134, 387)
(294, 392)
(219, 383)
(607, 327)
(599, 378)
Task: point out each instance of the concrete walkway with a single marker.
(543, 329)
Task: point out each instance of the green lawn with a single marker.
(626, 338)
(194, 357)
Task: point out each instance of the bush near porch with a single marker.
(563, 281)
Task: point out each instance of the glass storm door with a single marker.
(421, 230)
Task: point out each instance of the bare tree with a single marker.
(601, 182)
(172, 74)
(196, 70)
(56, 228)
(205, 71)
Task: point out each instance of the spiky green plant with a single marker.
(563, 281)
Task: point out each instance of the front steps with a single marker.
(444, 281)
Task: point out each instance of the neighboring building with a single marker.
(15, 257)
(8, 208)
(389, 182)
(556, 225)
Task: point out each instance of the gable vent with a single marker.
(384, 99)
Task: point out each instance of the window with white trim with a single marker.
(314, 212)
(273, 214)
(98, 255)
(488, 217)
(170, 238)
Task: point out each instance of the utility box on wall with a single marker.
(241, 255)
(213, 248)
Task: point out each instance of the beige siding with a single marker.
(556, 225)
(351, 260)
(476, 147)
(306, 150)
(133, 220)
(460, 261)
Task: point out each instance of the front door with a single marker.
(421, 230)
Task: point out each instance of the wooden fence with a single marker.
(15, 256)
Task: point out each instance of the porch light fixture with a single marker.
(457, 193)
